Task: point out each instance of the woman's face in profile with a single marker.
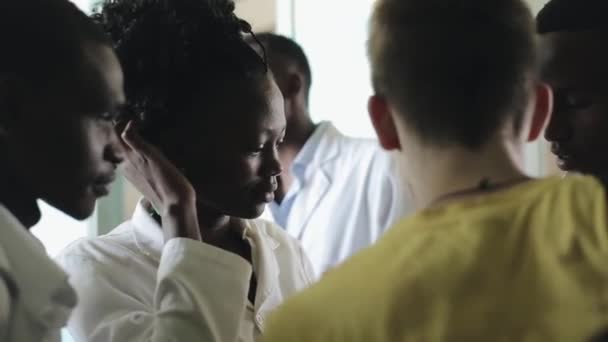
(233, 162)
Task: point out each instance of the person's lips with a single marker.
(266, 191)
(101, 185)
(269, 197)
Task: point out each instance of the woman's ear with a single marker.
(543, 107)
(384, 124)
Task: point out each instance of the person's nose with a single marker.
(273, 167)
(114, 151)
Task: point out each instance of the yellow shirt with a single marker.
(529, 263)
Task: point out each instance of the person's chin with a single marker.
(563, 165)
(81, 214)
(78, 207)
(84, 208)
(567, 164)
(253, 211)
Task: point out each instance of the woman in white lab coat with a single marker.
(193, 263)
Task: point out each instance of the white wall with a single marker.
(261, 14)
(536, 5)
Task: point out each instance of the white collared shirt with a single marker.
(134, 287)
(35, 297)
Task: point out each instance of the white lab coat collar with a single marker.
(266, 268)
(326, 143)
(41, 286)
(147, 233)
(321, 147)
(149, 238)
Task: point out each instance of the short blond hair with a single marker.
(455, 69)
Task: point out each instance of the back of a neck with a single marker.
(437, 173)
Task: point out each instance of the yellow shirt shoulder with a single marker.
(524, 264)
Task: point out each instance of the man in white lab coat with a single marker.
(59, 83)
(337, 194)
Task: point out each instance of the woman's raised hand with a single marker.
(161, 183)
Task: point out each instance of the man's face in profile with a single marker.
(576, 67)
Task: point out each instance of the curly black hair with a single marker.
(44, 40)
(173, 51)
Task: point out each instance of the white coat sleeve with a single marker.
(200, 295)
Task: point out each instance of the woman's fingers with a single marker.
(132, 138)
(138, 144)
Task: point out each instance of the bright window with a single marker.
(333, 34)
(56, 230)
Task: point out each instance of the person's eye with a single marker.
(256, 151)
(108, 116)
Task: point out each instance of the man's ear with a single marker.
(384, 124)
(543, 108)
(294, 83)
